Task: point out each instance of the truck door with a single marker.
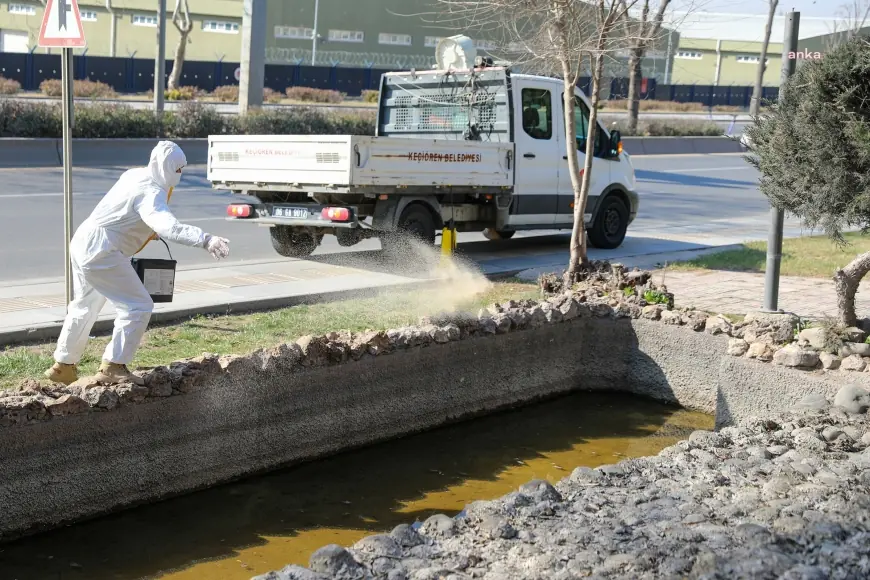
(538, 142)
(600, 165)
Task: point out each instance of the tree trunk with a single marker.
(846, 282)
(755, 104)
(635, 75)
(579, 258)
(178, 64)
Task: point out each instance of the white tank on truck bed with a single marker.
(356, 164)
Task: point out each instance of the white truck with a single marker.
(482, 147)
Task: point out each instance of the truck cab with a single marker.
(484, 149)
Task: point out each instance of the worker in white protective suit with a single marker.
(128, 217)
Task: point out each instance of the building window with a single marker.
(219, 26)
(687, 54)
(750, 59)
(432, 41)
(88, 15)
(346, 36)
(25, 9)
(143, 20)
(297, 32)
(399, 39)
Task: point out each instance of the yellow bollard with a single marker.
(448, 245)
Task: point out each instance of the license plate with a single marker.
(290, 212)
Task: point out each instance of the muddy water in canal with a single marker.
(247, 528)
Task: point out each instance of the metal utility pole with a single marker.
(253, 62)
(314, 34)
(160, 60)
(67, 89)
(777, 216)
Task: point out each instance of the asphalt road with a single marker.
(688, 200)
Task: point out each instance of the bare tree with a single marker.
(851, 18)
(568, 38)
(643, 32)
(182, 21)
(755, 104)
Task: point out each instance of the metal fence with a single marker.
(136, 75)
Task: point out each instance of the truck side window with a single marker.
(581, 119)
(537, 113)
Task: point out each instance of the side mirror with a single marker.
(615, 143)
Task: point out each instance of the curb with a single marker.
(48, 152)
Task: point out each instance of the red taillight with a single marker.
(242, 211)
(335, 214)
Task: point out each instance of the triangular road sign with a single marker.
(62, 25)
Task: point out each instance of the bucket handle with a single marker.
(167, 248)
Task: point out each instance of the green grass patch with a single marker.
(809, 257)
(245, 333)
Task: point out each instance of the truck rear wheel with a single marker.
(611, 223)
(416, 225)
(293, 242)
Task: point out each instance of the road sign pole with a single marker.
(160, 59)
(62, 28)
(777, 216)
(67, 88)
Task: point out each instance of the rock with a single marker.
(502, 323)
(854, 348)
(380, 545)
(292, 572)
(696, 320)
(335, 561)
(853, 363)
(737, 347)
(159, 382)
(813, 402)
(552, 314)
(829, 361)
(854, 334)
(102, 398)
(497, 528)
(314, 350)
(438, 526)
(540, 490)
(406, 536)
(439, 335)
(794, 356)
(852, 399)
(761, 351)
(771, 328)
(831, 433)
(131, 394)
(67, 405)
(652, 312)
(570, 309)
(672, 318)
(816, 338)
(717, 325)
(488, 326)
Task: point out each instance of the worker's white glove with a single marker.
(219, 248)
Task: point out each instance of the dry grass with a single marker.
(244, 333)
(810, 257)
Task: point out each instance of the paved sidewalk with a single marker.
(740, 292)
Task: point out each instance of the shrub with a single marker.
(115, 122)
(182, 94)
(305, 122)
(195, 120)
(309, 95)
(84, 89)
(370, 96)
(227, 94)
(667, 127)
(9, 86)
(20, 119)
(271, 96)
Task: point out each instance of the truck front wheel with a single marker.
(416, 225)
(611, 223)
(293, 242)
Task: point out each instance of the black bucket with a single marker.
(158, 276)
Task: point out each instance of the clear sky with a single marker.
(808, 8)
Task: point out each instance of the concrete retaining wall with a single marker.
(130, 152)
(262, 413)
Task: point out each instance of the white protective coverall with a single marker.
(134, 209)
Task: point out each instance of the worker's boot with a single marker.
(63, 374)
(114, 374)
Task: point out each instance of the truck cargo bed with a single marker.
(355, 163)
